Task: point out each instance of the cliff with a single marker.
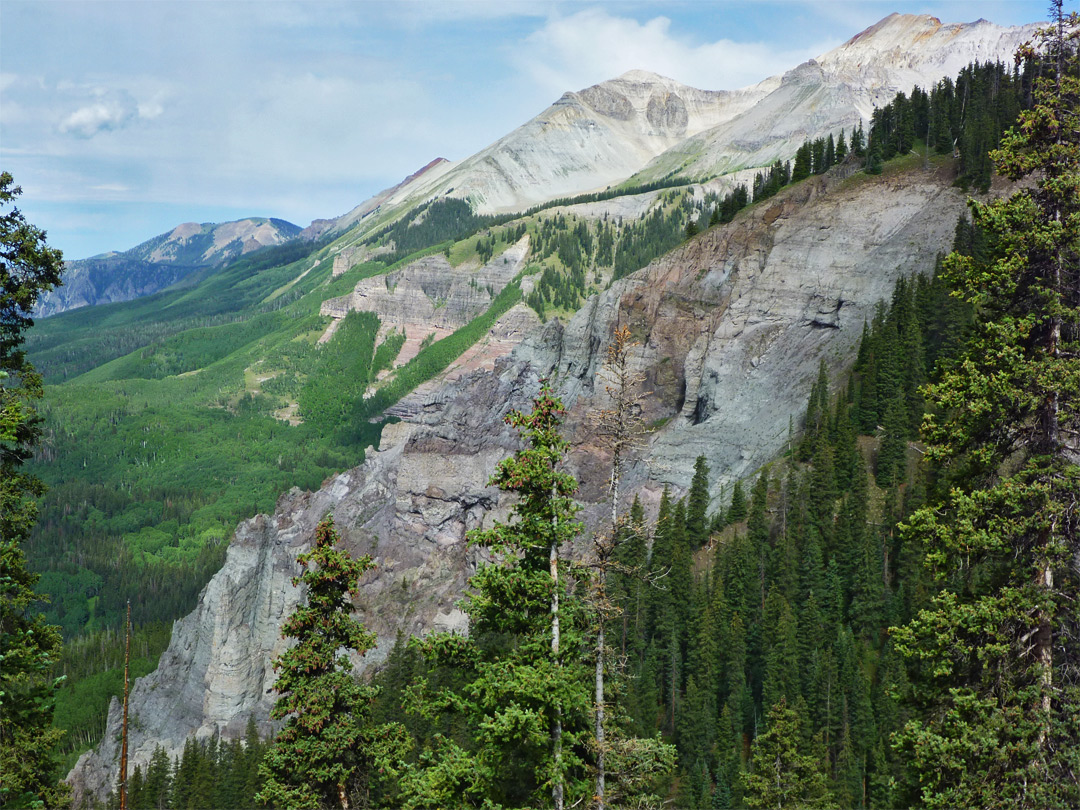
(732, 327)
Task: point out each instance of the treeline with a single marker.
(209, 773)
(815, 156)
(965, 116)
(762, 628)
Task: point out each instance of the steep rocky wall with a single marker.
(430, 294)
(732, 327)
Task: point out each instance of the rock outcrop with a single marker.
(732, 327)
(430, 295)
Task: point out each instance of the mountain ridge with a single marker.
(161, 261)
(732, 327)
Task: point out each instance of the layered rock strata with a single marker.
(732, 327)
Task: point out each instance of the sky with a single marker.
(121, 120)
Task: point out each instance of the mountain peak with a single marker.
(644, 77)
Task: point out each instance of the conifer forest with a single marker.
(884, 616)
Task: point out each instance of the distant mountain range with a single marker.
(637, 128)
(161, 262)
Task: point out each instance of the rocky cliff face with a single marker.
(732, 327)
(429, 295)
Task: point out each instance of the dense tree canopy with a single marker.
(28, 646)
(996, 655)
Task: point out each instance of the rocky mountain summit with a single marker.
(161, 262)
(731, 326)
(840, 89)
(643, 127)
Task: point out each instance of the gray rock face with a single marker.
(732, 327)
(429, 294)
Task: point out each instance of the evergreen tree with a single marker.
(783, 775)
(29, 647)
(737, 509)
(323, 755)
(995, 652)
(159, 781)
(697, 503)
(524, 702)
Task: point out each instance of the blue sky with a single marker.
(121, 120)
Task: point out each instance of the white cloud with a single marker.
(109, 110)
(88, 121)
(570, 53)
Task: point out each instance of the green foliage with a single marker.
(697, 524)
(523, 702)
(322, 757)
(967, 115)
(782, 774)
(341, 373)
(29, 646)
(993, 655)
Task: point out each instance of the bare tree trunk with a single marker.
(556, 723)
(600, 766)
(124, 733)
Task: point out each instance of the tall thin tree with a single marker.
(620, 427)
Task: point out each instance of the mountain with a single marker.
(732, 326)
(642, 127)
(637, 128)
(161, 262)
(839, 90)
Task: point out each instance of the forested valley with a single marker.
(865, 623)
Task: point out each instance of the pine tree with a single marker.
(524, 702)
(737, 509)
(697, 504)
(996, 650)
(28, 645)
(322, 757)
(782, 775)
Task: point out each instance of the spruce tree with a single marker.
(29, 647)
(995, 652)
(323, 755)
(737, 509)
(525, 702)
(783, 775)
(697, 525)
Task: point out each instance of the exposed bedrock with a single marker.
(732, 327)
